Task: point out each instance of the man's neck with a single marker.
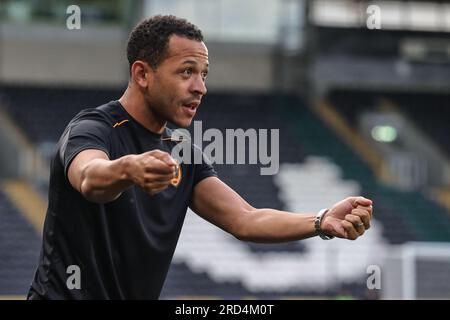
(134, 103)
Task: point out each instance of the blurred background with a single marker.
(360, 91)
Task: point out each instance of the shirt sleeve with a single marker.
(204, 169)
(84, 133)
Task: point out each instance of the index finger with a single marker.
(161, 167)
(366, 208)
(163, 156)
(362, 201)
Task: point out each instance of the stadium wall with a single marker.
(95, 55)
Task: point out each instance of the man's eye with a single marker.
(204, 75)
(187, 72)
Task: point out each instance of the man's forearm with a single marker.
(269, 225)
(104, 180)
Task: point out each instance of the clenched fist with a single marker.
(348, 219)
(152, 170)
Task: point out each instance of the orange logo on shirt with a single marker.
(120, 123)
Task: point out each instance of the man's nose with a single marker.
(198, 86)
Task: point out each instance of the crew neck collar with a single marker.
(156, 135)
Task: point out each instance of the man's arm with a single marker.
(101, 180)
(219, 204)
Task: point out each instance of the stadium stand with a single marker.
(44, 112)
(426, 110)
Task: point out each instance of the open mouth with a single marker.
(191, 108)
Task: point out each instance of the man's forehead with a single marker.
(182, 46)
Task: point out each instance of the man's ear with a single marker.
(141, 73)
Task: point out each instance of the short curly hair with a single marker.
(149, 40)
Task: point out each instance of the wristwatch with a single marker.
(317, 223)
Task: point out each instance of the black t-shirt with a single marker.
(123, 248)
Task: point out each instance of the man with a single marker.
(117, 198)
